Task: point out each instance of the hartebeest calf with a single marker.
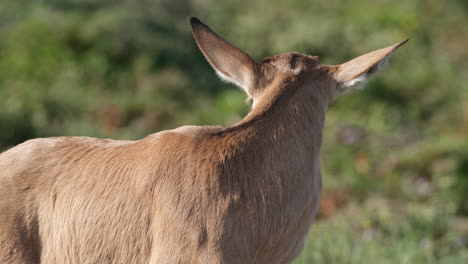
(243, 194)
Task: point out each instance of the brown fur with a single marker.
(243, 194)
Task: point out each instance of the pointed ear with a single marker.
(230, 63)
(356, 72)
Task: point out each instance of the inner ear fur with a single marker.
(230, 63)
(365, 66)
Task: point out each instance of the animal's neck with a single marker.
(282, 136)
(289, 118)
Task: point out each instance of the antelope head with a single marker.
(237, 67)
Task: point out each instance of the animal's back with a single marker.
(74, 200)
(87, 200)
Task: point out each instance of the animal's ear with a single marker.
(356, 72)
(230, 63)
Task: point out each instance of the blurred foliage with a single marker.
(126, 68)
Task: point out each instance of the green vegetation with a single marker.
(399, 149)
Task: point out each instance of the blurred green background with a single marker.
(395, 156)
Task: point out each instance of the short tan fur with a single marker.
(243, 194)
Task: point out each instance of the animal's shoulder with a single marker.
(182, 134)
(183, 143)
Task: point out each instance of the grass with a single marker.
(381, 230)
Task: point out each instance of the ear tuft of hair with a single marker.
(355, 73)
